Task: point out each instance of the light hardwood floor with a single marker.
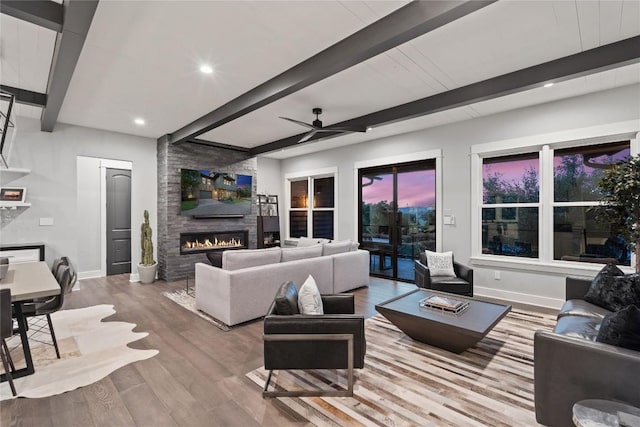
(197, 379)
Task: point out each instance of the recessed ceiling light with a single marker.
(548, 84)
(139, 121)
(206, 69)
(369, 128)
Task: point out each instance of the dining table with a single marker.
(27, 281)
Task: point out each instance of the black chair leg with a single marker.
(7, 370)
(53, 336)
(8, 353)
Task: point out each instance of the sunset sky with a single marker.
(510, 171)
(514, 170)
(415, 189)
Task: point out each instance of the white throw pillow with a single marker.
(309, 300)
(440, 263)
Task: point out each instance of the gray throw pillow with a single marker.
(605, 289)
(621, 328)
(614, 292)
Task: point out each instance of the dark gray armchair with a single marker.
(462, 284)
(333, 340)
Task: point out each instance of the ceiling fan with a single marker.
(316, 126)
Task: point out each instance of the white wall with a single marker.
(270, 182)
(455, 140)
(52, 189)
(89, 213)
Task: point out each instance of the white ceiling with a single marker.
(141, 59)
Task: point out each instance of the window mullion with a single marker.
(310, 203)
(546, 204)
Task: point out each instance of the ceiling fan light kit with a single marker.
(316, 126)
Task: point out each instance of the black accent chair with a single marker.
(44, 307)
(462, 284)
(333, 340)
(6, 331)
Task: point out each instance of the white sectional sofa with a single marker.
(244, 287)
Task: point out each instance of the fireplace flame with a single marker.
(217, 243)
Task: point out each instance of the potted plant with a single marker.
(147, 267)
(620, 206)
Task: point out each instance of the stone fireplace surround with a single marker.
(172, 265)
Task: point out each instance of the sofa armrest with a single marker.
(576, 287)
(464, 272)
(423, 276)
(568, 369)
(338, 304)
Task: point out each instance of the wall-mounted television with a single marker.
(210, 194)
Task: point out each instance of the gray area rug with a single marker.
(90, 349)
(407, 383)
(183, 299)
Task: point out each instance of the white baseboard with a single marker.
(134, 277)
(89, 274)
(540, 301)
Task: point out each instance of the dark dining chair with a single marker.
(6, 331)
(72, 271)
(47, 306)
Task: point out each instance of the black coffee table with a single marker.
(452, 332)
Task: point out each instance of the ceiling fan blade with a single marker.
(348, 129)
(308, 136)
(307, 125)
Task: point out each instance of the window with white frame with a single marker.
(559, 182)
(312, 207)
(511, 205)
(577, 236)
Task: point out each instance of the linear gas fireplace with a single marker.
(192, 243)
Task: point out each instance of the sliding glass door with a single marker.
(397, 216)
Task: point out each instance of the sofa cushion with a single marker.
(336, 247)
(614, 291)
(308, 241)
(579, 307)
(621, 328)
(286, 299)
(578, 327)
(292, 254)
(440, 263)
(309, 299)
(244, 258)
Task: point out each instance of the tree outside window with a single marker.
(577, 235)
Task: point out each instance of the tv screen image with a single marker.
(211, 193)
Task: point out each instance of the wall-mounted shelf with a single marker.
(268, 221)
(9, 174)
(13, 205)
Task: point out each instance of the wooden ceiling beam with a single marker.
(613, 55)
(44, 13)
(78, 15)
(413, 20)
(26, 97)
